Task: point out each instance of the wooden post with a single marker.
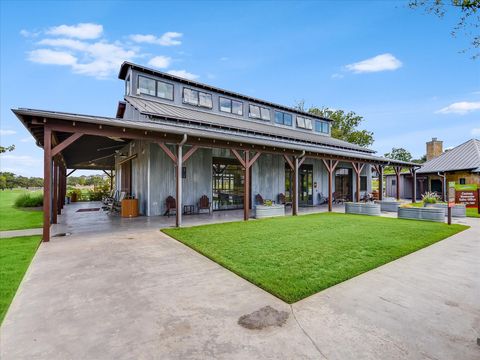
(330, 165)
(47, 178)
(55, 192)
(111, 180)
(398, 170)
(246, 187)
(380, 182)
(295, 187)
(414, 187)
(358, 167)
(178, 217)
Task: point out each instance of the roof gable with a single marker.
(463, 157)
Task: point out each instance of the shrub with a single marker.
(430, 198)
(29, 200)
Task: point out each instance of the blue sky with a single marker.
(398, 68)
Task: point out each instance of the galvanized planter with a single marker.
(429, 214)
(362, 208)
(387, 205)
(262, 211)
(459, 210)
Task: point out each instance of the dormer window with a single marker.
(127, 86)
(155, 88)
(304, 123)
(230, 106)
(197, 98)
(259, 112)
(283, 118)
(322, 127)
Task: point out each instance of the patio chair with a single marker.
(282, 200)
(171, 206)
(117, 203)
(338, 198)
(204, 204)
(259, 199)
(322, 199)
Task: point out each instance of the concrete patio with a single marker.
(120, 289)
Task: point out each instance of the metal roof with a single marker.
(160, 109)
(463, 157)
(126, 65)
(194, 130)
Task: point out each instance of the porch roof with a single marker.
(97, 148)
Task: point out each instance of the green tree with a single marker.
(345, 125)
(3, 182)
(468, 22)
(4, 149)
(399, 154)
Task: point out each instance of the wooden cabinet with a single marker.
(129, 208)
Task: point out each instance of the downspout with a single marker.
(184, 140)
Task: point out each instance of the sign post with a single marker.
(451, 200)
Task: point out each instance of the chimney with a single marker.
(434, 148)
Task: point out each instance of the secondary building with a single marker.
(182, 140)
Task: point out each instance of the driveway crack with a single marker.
(306, 334)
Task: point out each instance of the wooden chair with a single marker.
(116, 205)
(171, 206)
(282, 200)
(204, 204)
(338, 197)
(258, 199)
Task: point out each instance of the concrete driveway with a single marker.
(141, 295)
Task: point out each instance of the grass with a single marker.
(15, 256)
(12, 218)
(294, 257)
(473, 212)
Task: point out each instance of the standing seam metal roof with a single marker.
(160, 109)
(463, 157)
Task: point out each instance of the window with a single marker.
(146, 86)
(259, 112)
(283, 118)
(304, 123)
(462, 181)
(363, 183)
(197, 98)
(231, 106)
(164, 90)
(394, 182)
(322, 127)
(127, 86)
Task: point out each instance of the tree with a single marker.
(3, 182)
(469, 17)
(399, 154)
(345, 125)
(4, 149)
(421, 160)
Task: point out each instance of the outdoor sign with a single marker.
(451, 193)
(466, 194)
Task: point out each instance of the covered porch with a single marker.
(73, 141)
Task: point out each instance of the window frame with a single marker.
(283, 118)
(220, 98)
(166, 83)
(198, 98)
(128, 84)
(322, 123)
(462, 181)
(147, 78)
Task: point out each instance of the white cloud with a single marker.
(28, 34)
(183, 74)
(47, 56)
(160, 62)
(475, 132)
(461, 108)
(79, 31)
(7, 132)
(170, 38)
(66, 43)
(19, 160)
(28, 139)
(383, 62)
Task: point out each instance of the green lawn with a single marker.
(12, 218)
(473, 212)
(15, 256)
(294, 257)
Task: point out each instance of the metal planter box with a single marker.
(386, 205)
(362, 208)
(262, 211)
(428, 214)
(459, 210)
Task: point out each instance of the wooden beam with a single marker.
(190, 152)
(55, 193)
(239, 158)
(358, 167)
(295, 187)
(179, 157)
(65, 143)
(170, 154)
(330, 165)
(301, 160)
(254, 158)
(47, 179)
(398, 170)
(414, 186)
(289, 162)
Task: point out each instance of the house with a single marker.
(185, 139)
(460, 165)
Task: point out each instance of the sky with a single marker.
(398, 68)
